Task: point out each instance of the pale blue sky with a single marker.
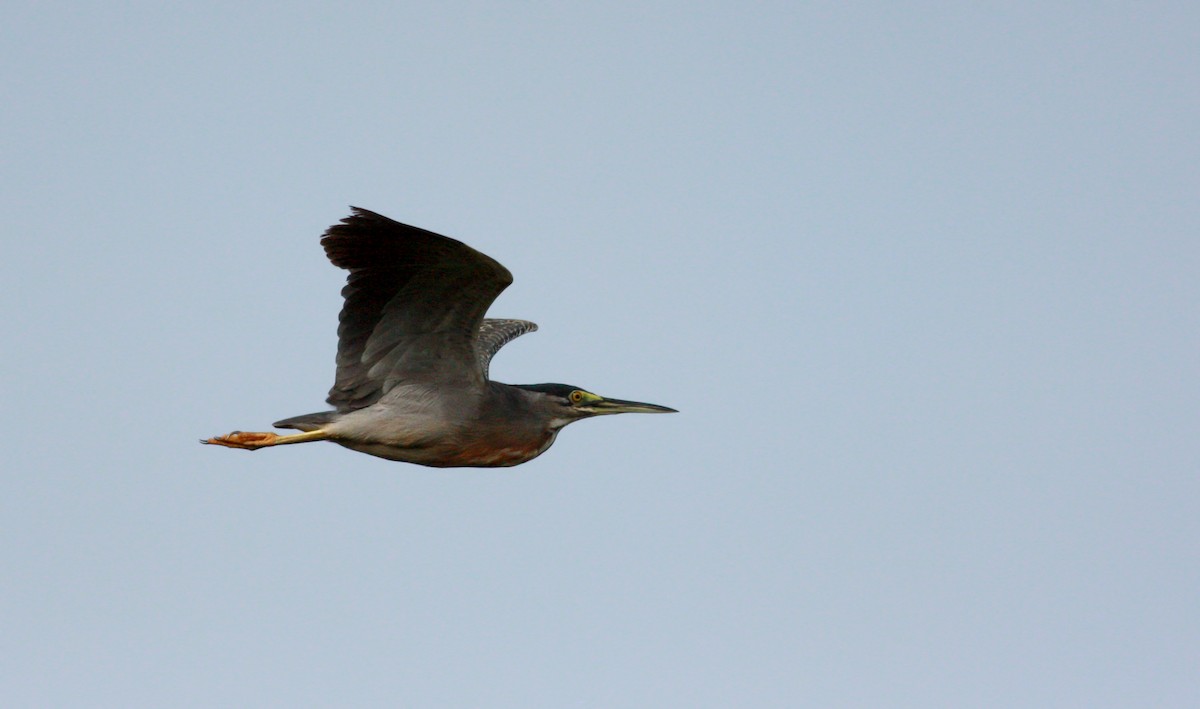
(921, 278)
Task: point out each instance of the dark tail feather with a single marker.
(307, 422)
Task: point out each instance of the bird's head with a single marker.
(567, 403)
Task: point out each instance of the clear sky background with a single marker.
(921, 279)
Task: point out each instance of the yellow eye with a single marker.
(576, 396)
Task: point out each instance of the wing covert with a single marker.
(495, 333)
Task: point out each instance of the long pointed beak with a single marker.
(619, 406)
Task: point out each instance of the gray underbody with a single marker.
(438, 427)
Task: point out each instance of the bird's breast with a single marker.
(485, 453)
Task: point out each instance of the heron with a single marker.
(413, 354)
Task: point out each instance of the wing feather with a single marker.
(414, 301)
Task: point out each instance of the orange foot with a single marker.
(245, 441)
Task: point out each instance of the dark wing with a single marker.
(494, 334)
(413, 303)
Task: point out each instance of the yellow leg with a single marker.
(254, 441)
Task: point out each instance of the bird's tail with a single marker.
(307, 422)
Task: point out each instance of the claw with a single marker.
(245, 441)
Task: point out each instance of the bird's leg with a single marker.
(253, 441)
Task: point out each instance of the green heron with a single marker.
(413, 353)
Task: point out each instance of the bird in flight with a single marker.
(412, 361)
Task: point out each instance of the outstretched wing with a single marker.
(414, 301)
(494, 334)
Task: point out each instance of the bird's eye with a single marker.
(576, 396)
